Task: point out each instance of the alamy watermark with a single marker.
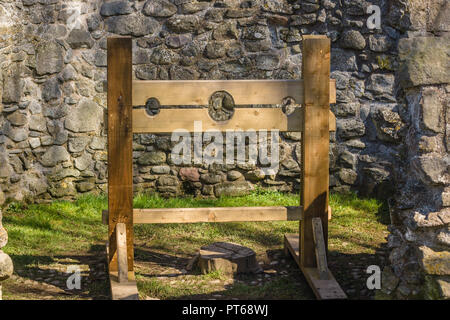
(208, 147)
(374, 281)
(74, 280)
(74, 15)
(374, 21)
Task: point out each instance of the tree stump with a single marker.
(228, 258)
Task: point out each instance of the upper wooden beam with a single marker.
(198, 92)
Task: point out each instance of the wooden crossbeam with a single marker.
(169, 120)
(198, 92)
(219, 214)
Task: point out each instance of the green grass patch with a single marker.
(38, 232)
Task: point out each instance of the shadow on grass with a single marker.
(286, 280)
(382, 214)
(48, 275)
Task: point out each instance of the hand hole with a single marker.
(152, 107)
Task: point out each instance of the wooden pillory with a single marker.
(315, 92)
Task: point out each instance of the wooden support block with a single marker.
(244, 92)
(323, 289)
(121, 290)
(218, 214)
(122, 261)
(315, 143)
(321, 255)
(328, 289)
(120, 145)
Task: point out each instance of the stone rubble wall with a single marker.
(6, 264)
(420, 211)
(53, 71)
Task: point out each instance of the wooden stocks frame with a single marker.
(314, 92)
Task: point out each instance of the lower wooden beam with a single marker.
(219, 214)
(328, 289)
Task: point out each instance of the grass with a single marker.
(40, 232)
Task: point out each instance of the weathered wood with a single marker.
(228, 258)
(125, 290)
(217, 214)
(292, 246)
(321, 255)
(122, 263)
(315, 143)
(323, 289)
(169, 120)
(244, 92)
(292, 214)
(120, 148)
(328, 289)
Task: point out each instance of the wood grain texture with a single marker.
(169, 120)
(315, 143)
(122, 290)
(328, 289)
(120, 139)
(321, 255)
(218, 214)
(292, 246)
(122, 263)
(244, 92)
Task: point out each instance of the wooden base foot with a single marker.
(122, 290)
(323, 289)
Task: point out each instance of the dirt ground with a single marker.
(281, 279)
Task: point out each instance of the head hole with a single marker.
(221, 106)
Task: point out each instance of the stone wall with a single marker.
(420, 210)
(6, 265)
(53, 59)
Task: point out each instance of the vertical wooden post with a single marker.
(120, 146)
(315, 143)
